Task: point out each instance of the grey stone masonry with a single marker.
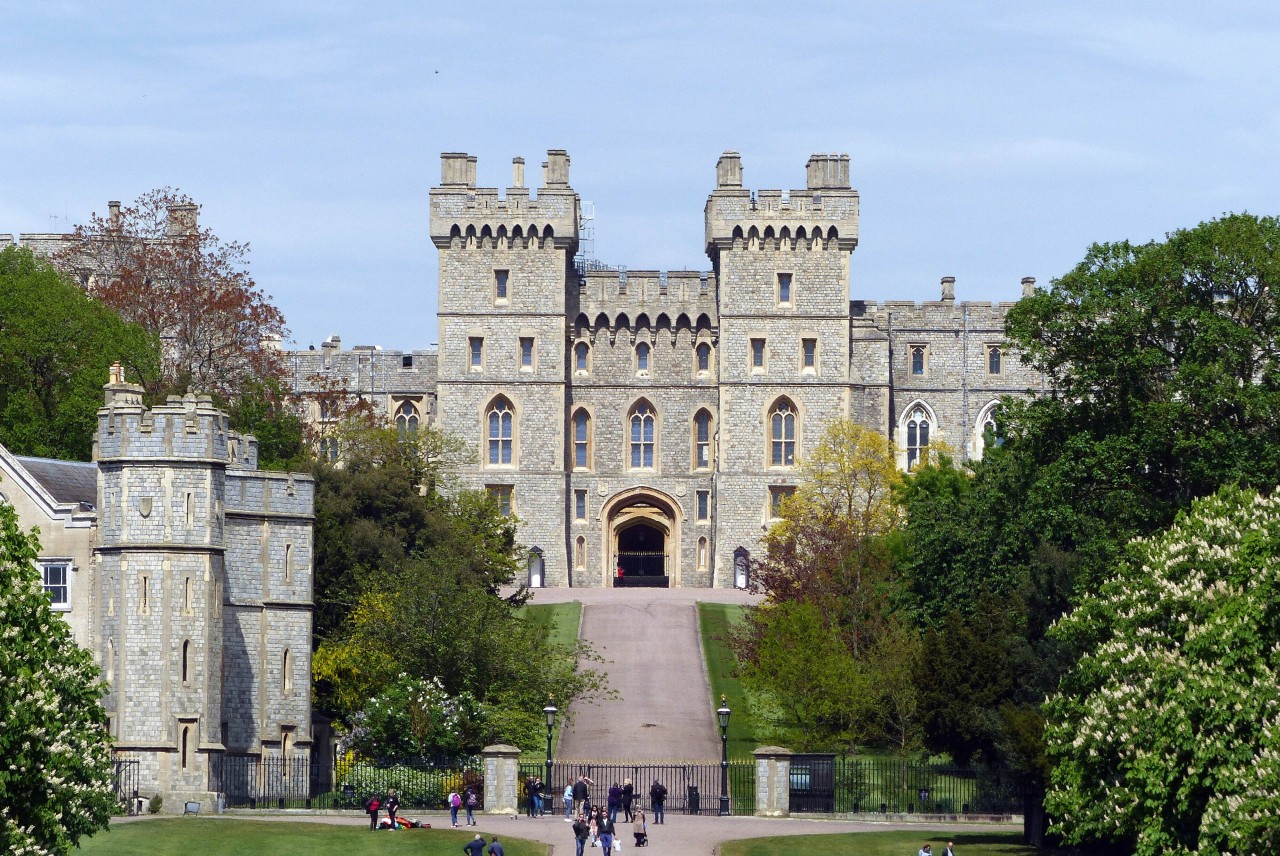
(773, 781)
(650, 421)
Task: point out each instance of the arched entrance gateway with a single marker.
(642, 531)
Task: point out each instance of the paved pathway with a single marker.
(653, 656)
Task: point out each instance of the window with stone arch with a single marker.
(984, 434)
(582, 358)
(580, 553)
(644, 424)
(916, 428)
(643, 353)
(406, 420)
(702, 453)
(783, 424)
(703, 355)
(501, 432)
(581, 440)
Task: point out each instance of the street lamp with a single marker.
(536, 568)
(550, 713)
(722, 715)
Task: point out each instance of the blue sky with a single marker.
(990, 141)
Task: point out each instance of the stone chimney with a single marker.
(949, 288)
(729, 170)
(182, 220)
(557, 174)
(517, 172)
(113, 215)
(1028, 286)
(453, 169)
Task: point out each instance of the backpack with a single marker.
(471, 799)
(373, 804)
(455, 800)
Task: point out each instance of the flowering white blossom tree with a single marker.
(55, 763)
(1166, 734)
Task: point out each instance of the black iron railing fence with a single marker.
(251, 782)
(692, 788)
(887, 785)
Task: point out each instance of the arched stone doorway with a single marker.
(642, 529)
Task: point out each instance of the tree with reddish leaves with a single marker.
(158, 268)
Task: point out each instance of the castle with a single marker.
(652, 421)
(187, 572)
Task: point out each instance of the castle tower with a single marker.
(782, 262)
(160, 564)
(506, 267)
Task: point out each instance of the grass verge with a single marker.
(714, 622)
(883, 844)
(235, 837)
(562, 619)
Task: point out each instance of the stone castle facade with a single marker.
(187, 572)
(653, 421)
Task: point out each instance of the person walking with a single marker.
(951, 849)
(658, 798)
(605, 830)
(581, 795)
(568, 803)
(639, 829)
(393, 805)
(614, 802)
(474, 847)
(628, 796)
(593, 824)
(530, 796)
(455, 803)
(581, 832)
(495, 849)
(470, 801)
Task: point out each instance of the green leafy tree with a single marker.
(55, 787)
(56, 348)
(1166, 732)
(268, 411)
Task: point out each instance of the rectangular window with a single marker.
(993, 359)
(406, 361)
(504, 496)
(757, 355)
(704, 506)
(809, 354)
(919, 359)
(500, 285)
(476, 344)
(784, 288)
(777, 495)
(526, 352)
(580, 505)
(57, 578)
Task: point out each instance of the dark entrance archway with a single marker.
(642, 553)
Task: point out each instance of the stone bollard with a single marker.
(773, 781)
(501, 777)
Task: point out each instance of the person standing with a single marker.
(605, 830)
(614, 801)
(373, 805)
(474, 847)
(568, 803)
(658, 798)
(581, 794)
(926, 850)
(951, 849)
(581, 832)
(628, 796)
(639, 829)
(495, 849)
(393, 806)
(530, 798)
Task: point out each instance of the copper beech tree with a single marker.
(155, 265)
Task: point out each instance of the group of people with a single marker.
(595, 826)
(927, 850)
(475, 847)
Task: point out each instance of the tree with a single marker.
(56, 349)
(1166, 732)
(153, 264)
(827, 647)
(56, 784)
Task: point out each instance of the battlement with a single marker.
(822, 215)
(637, 291)
(479, 215)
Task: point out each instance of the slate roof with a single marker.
(66, 481)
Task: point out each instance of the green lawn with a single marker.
(882, 844)
(714, 620)
(562, 618)
(235, 837)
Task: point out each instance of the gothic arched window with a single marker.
(406, 419)
(782, 434)
(642, 358)
(917, 433)
(643, 433)
(702, 440)
(582, 358)
(703, 352)
(501, 420)
(582, 440)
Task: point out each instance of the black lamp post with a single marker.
(550, 712)
(723, 716)
(536, 568)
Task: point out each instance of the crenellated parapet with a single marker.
(464, 216)
(647, 299)
(823, 215)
